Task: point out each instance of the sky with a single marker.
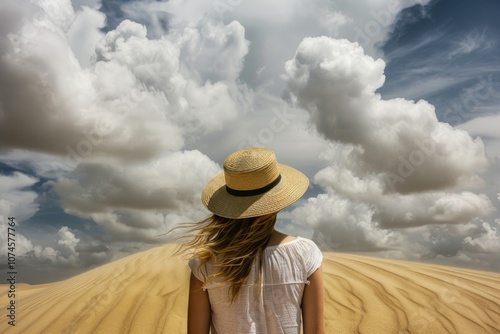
(115, 114)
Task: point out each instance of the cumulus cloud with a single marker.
(63, 253)
(37, 65)
(391, 164)
(400, 140)
(212, 52)
(464, 206)
(84, 33)
(274, 29)
(29, 256)
(487, 242)
(85, 113)
(486, 127)
(67, 239)
(118, 97)
(22, 244)
(41, 164)
(17, 202)
(138, 202)
(341, 224)
(15, 199)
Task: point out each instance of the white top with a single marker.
(277, 309)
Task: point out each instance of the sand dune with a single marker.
(147, 293)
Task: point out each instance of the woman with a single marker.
(246, 277)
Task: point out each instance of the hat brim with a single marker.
(292, 186)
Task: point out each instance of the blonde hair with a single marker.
(233, 245)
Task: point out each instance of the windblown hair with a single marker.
(232, 245)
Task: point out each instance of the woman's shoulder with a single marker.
(296, 244)
(279, 238)
(302, 252)
(310, 244)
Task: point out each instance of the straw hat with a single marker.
(253, 184)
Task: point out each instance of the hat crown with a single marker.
(253, 184)
(250, 169)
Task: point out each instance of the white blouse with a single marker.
(275, 306)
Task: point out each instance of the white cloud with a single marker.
(366, 22)
(17, 202)
(67, 238)
(486, 128)
(22, 244)
(67, 245)
(401, 211)
(400, 140)
(27, 255)
(48, 253)
(473, 41)
(391, 164)
(131, 100)
(487, 242)
(63, 255)
(43, 165)
(133, 202)
(86, 113)
(341, 224)
(462, 207)
(211, 51)
(84, 34)
(15, 199)
(275, 28)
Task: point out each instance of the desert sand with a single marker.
(147, 293)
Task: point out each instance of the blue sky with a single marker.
(114, 114)
(451, 48)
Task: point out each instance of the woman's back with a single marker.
(274, 307)
(241, 281)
